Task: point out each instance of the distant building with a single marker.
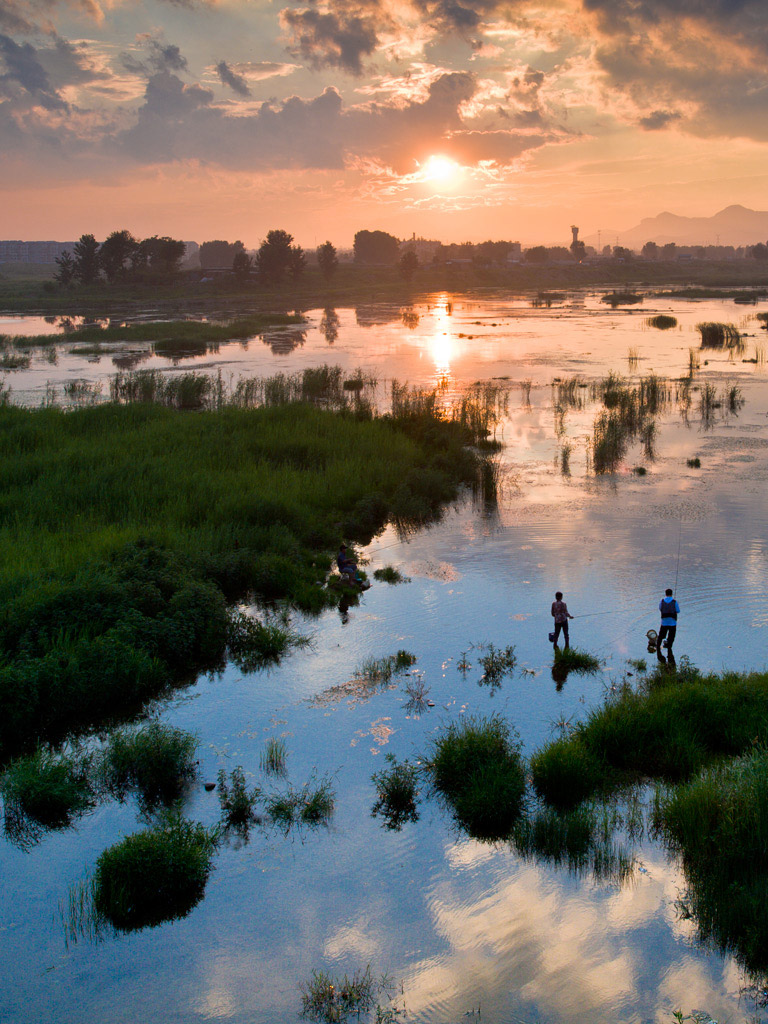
(32, 252)
(425, 248)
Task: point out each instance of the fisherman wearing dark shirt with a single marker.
(669, 609)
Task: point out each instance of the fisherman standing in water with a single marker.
(561, 615)
(669, 609)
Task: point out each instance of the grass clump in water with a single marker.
(311, 805)
(575, 660)
(272, 757)
(719, 335)
(381, 670)
(155, 760)
(46, 788)
(238, 802)
(396, 793)
(153, 876)
(335, 1000)
(476, 765)
(662, 322)
(390, 575)
(497, 663)
(694, 463)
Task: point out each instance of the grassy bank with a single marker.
(670, 728)
(125, 528)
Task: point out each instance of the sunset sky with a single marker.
(453, 119)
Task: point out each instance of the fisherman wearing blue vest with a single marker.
(669, 609)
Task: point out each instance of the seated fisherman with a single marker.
(347, 567)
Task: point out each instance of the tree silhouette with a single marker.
(376, 247)
(327, 260)
(86, 256)
(115, 254)
(274, 257)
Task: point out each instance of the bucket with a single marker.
(551, 638)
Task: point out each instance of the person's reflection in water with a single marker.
(344, 610)
(559, 674)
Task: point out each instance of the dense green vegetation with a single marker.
(672, 726)
(124, 529)
(718, 823)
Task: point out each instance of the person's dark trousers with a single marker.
(564, 627)
(669, 633)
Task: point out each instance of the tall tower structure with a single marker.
(575, 233)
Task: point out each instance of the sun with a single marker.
(441, 169)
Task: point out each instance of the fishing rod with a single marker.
(679, 539)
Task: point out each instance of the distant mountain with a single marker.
(735, 225)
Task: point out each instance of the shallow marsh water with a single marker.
(471, 930)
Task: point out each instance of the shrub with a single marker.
(153, 876)
(156, 760)
(253, 644)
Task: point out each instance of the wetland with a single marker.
(358, 784)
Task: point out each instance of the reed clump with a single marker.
(238, 801)
(381, 670)
(719, 335)
(396, 793)
(662, 322)
(273, 756)
(329, 999)
(670, 727)
(312, 805)
(154, 876)
(476, 765)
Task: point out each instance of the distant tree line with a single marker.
(120, 257)
(276, 259)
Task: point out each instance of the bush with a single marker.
(156, 760)
(153, 876)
